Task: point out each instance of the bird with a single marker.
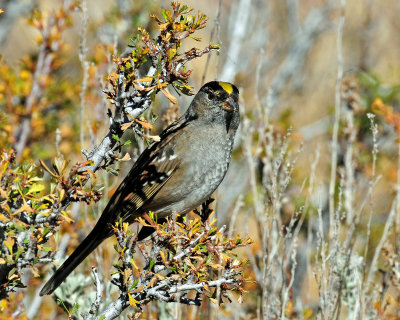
(173, 175)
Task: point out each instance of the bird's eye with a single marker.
(211, 95)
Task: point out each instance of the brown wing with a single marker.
(151, 171)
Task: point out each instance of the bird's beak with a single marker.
(228, 105)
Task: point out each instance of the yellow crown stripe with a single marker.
(226, 86)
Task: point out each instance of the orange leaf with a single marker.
(144, 124)
(9, 243)
(125, 126)
(145, 79)
(163, 26)
(126, 157)
(154, 138)
(25, 207)
(169, 96)
(47, 169)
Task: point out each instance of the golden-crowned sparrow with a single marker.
(176, 174)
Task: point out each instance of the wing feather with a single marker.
(152, 170)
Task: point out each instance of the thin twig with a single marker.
(335, 133)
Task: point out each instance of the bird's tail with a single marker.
(90, 243)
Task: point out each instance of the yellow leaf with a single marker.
(3, 302)
(125, 225)
(36, 188)
(213, 300)
(307, 313)
(161, 85)
(163, 256)
(66, 217)
(216, 266)
(377, 305)
(24, 74)
(225, 257)
(134, 264)
(133, 301)
(61, 194)
(289, 308)
(1, 11)
(143, 222)
(377, 105)
(2, 261)
(163, 26)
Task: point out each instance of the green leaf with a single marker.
(36, 188)
(183, 8)
(151, 265)
(164, 15)
(116, 137)
(154, 117)
(215, 46)
(134, 284)
(113, 171)
(174, 269)
(151, 215)
(45, 231)
(20, 228)
(18, 253)
(75, 308)
(127, 142)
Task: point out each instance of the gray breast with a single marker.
(205, 168)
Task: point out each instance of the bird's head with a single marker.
(217, 102)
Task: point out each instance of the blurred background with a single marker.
(311, 181)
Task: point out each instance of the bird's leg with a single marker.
(205, 210)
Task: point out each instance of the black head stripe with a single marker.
(219, 86)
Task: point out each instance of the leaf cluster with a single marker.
(186, 260)
(167, 63)
(29, 213)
